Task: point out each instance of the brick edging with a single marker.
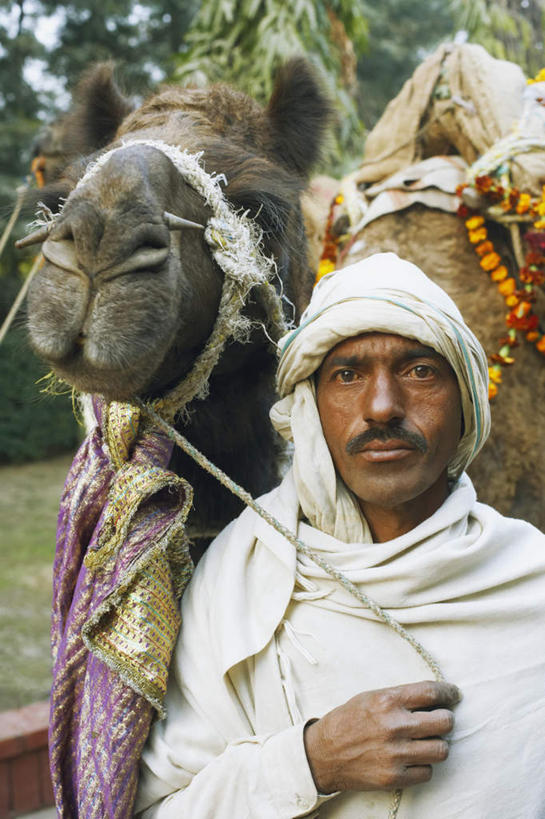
(24, 769)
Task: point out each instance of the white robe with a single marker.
(268, 641)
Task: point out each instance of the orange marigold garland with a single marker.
(519, 292)
(328, 259)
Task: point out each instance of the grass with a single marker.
(29, 499)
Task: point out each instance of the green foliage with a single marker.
(19, 103)
(93, 32)
(19, 110)
(243, 42)
(402, 34)
(32, 425)
(17, 45)
(508, 29)
(140, 36)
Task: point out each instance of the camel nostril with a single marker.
(144, 258)
(62, 253)
(150, 235)
(155, 241)
(146, 248)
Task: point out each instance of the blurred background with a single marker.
(363, 50)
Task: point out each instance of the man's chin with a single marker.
(393, 487)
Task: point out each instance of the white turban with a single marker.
(382, 293)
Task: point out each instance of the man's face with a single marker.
(391, 416)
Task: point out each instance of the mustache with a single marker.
(394, 432)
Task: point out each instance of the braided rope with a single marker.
(20, 198)
(394, 807)
(196, 382)
(21, 191)
(20, 297)
(302, 548)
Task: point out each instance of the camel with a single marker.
(170, 253)
(145, 347)
(437, 115)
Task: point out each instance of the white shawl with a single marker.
(467, 582)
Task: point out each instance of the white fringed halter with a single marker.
(235, 242)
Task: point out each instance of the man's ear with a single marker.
(299, 114)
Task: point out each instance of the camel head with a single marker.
(129, 291)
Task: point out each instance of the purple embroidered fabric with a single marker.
(99, 717)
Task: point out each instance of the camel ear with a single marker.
(99, 107)
(299, 114)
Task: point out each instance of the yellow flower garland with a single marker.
(519, 300)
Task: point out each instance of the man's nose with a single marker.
(383, 399)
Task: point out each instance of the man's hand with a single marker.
(382, 740)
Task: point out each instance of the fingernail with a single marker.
(458, 693)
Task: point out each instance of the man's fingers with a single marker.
(433, 723)
(417, 759)
(429, 694)
(414, 775)
(425, 751)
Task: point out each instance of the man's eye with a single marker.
(422, 371)
(346, 376)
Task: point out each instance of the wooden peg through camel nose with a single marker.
(177, 223)
(34, 238)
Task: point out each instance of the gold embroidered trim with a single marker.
(136, 637)
(135, 629)
(121, 431)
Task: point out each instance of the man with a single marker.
(288, 696)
